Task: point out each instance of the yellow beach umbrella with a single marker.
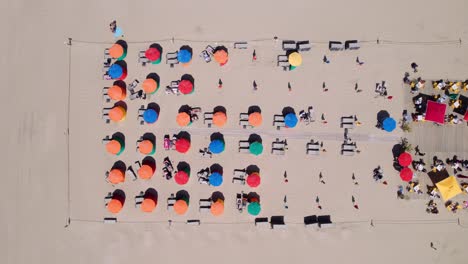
(449, 188)
(295, 59)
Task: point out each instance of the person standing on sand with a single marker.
(323, 119)
(414, 66)
(358, 62)
(285, 176)
(324, 87)
(289, 87)
(432, 246)
(354, 179)
(321, 178)
(254, 56)
(255, 87)
(325, 59)
(317, 201)
(220, 84)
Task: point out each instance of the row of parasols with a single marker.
(116, 175)
(146, 145)
(147, 202)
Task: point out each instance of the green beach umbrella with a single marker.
(157, 61)
(256, 148)
(254, 208)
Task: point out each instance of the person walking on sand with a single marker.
(414, 66)
(358, 62)
(323, 119)
(254, 56)
(285, 176)
(432, 246)
(255, 87)
(324, 87)
(289, 87)
(354, 202)
(317, 201)
(325, 59)
(321, 178)
(113, 26)
(220, 84)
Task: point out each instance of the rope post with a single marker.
(378, 41)
(169, 222)
(69, 43)
(458, 221)
(172, 40)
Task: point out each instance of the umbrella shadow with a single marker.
(253, 196)
(255, 138)
(184, 135)
(118, 136)
(218, 48)
(154, 76)
(251, 169)
(397, 166)
(254, 109)
(382, 115)
(121, 104)
(151, 193)
(157, 46)
(187, 48)
(183, 166)
(288, 110)
(120, 84)
(219, 108)
(188, 77)
(216, 168)
(149, 136)
(215, 196)
(154, 106)
(217, 136)
(120, 165)
(185, 109)
(122, 43)
(150, 161)
(122, 64)
(119, 195)
(182, 195)
(397, 149)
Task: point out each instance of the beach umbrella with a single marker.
(405, 159)
(180, 207)
(145, 172)
(115, 71)
(406, 174)
(114, 206)
(181, 177)
(118, 32)
(149, 86)
(150, 116)
(295, 59)
(221, 56)
(146, 147)
(256, 148)
(116, 176)
(117, 113)
(184, 56)
(183, 119)
(217, 208)
(114, 147)
(449, 188)
(253, 180)
(117, 93)
(255, 119)
(185, 86)
(153, 54)
(254, 208)
(219, 119)
(216, 146)
(215, 179)
(148, 205)
(182, 145)
(389, 124)
(116, 51)
(290, 120)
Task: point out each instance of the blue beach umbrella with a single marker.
(118, 32)
(150, 116)
(290, 120)
(389, 124)
(216, 179)
(184, 56)
(216, 146)
(115, 71)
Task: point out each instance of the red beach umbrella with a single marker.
(253, 180)
(405, 159)
(181, 177)
(406, 174)
(185, 86)
(153, 54)
(182, 145)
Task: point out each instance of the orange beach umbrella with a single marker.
(145, 172)
(219, 119)
(116, 51)
(116, 176)
(148, 205)
(114, 206)
(217, 208)
(149, 86)
(221, 56)
(255, 119)
(145, 147)
(183, 119)
(117, 113)
(180, 207)
(113, 147)
(117, 93)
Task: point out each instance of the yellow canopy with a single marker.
(449, 188)
(295, 59)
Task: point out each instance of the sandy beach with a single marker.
(53, 173)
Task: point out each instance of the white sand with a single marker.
(34, 66)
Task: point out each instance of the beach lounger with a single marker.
(106, 118)
(110, 220)
(105, 94)
(311, 221)
(335, 45)
(347, 152)
(171, 59)
(107, 54)
(193, 222)
(243, 116)
(244, 150)
(208, 118)
(170, 202)
(352, 44)
(313, 152)
(303, 45)
(324, 221)
(284, 64)
(105, 67)
(106, 140)
(138, 200)
(278, 144)
(239, 173)
(282, 58)
(277, 222)
(347, 125)
(279, 124)
(244, 144)
(107, 199)
(278, 151)
(348, 147)
(241, 45)
(131, 87)
(278, 118)
(205, 202)
(238, 180)
(262, 222)
(204, 209)
(245, 124)
(289, 45)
